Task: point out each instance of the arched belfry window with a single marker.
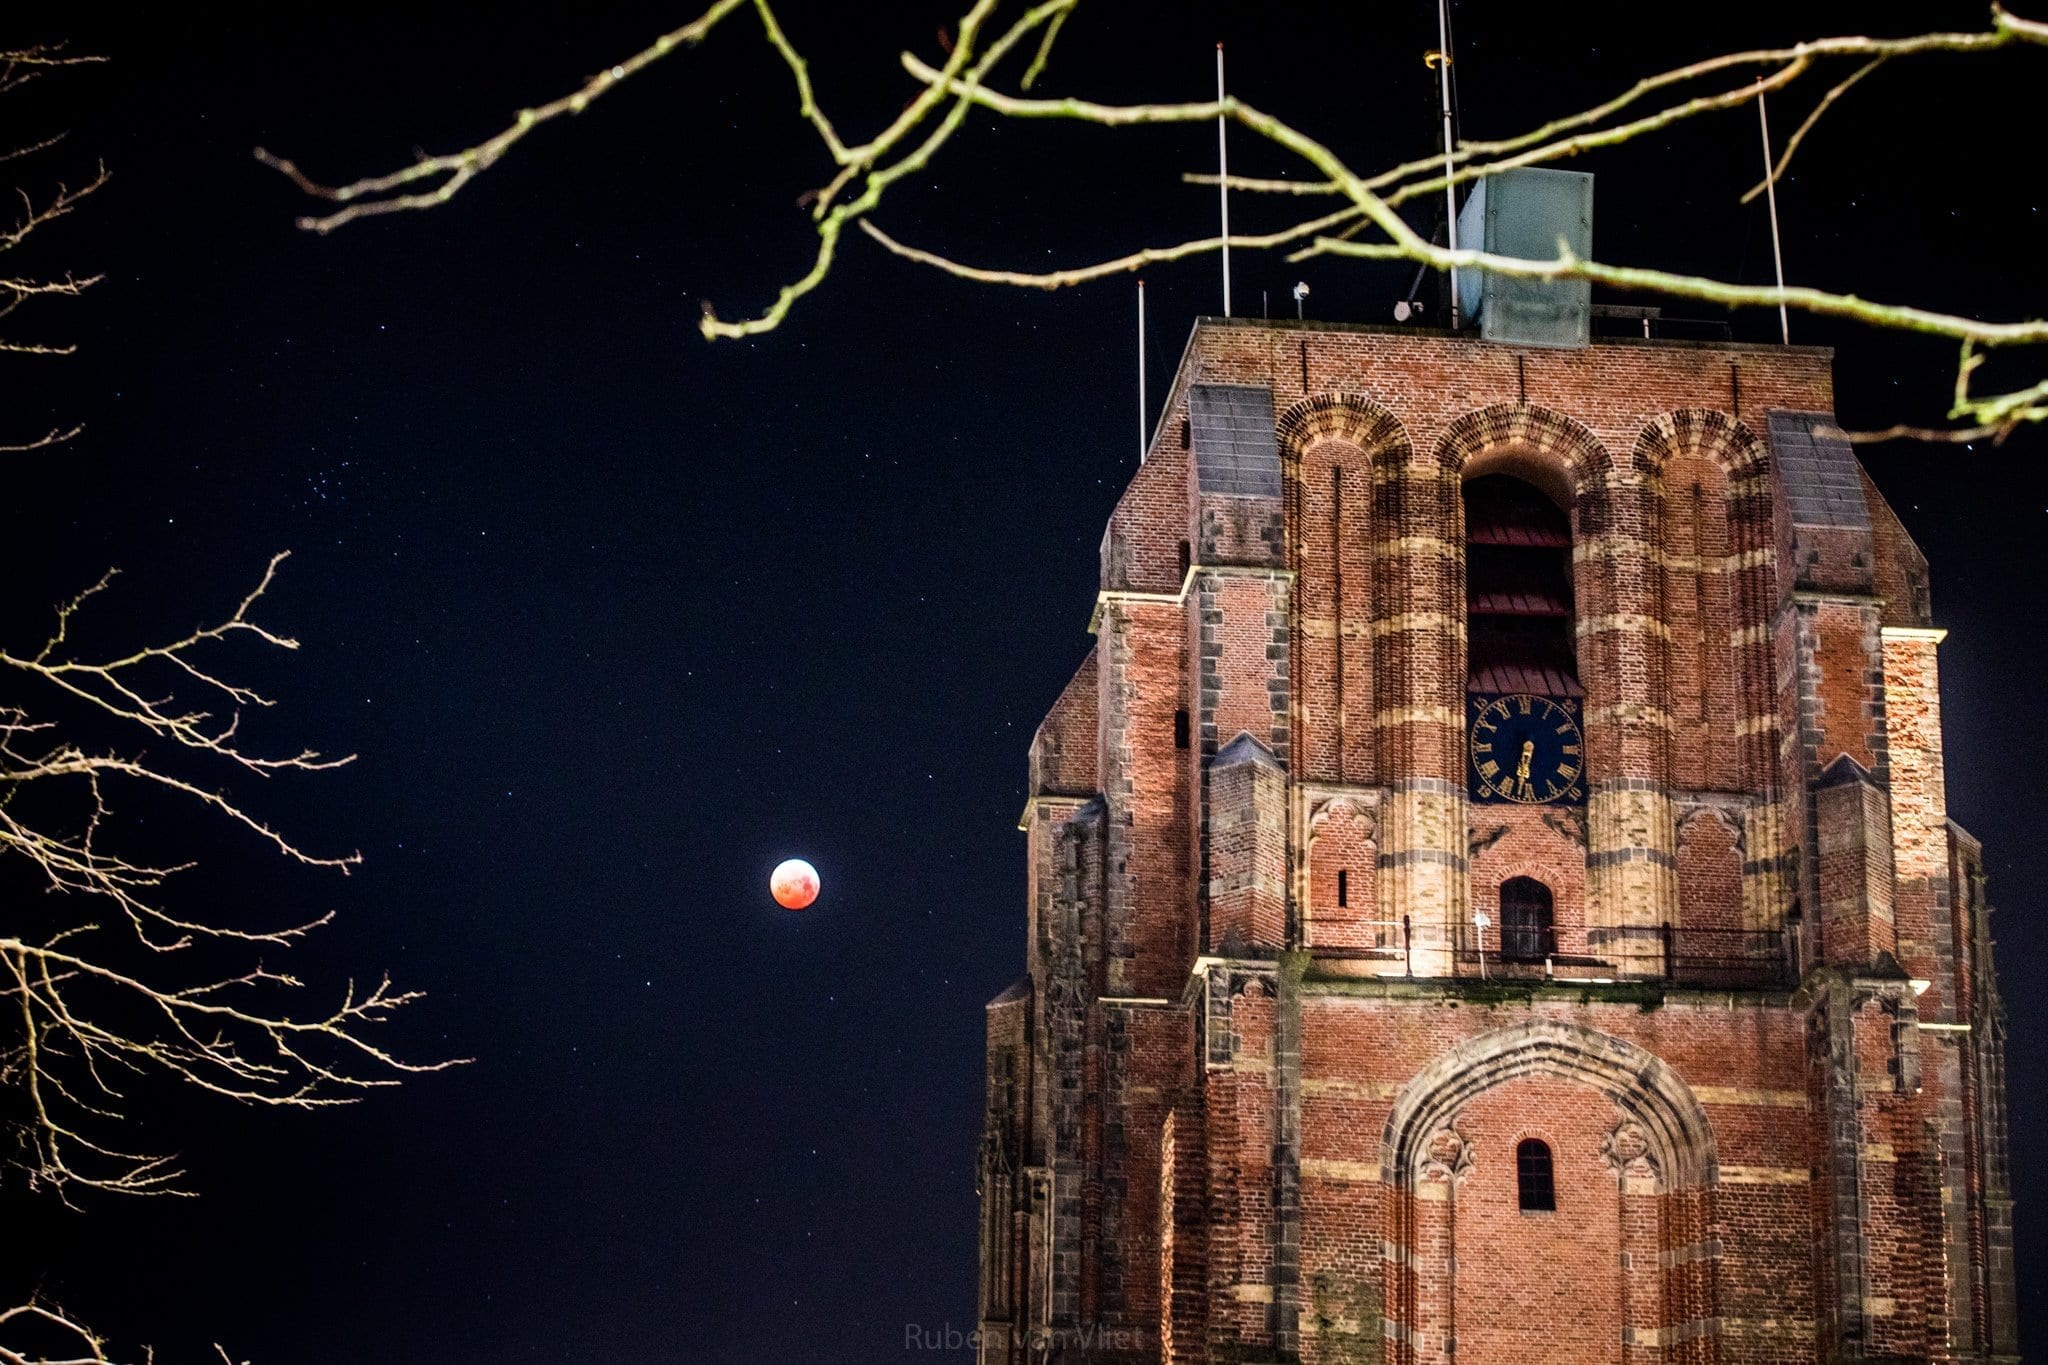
(1534, 1179)
(1518, 590)
(1528, 926)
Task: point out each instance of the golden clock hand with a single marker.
(1528, 752)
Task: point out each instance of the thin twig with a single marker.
(1657, 102)
(1777, 171)
(379, 194)
(1137, 260)
(1938, 435)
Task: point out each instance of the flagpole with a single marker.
(1763, 121)
(1443, 53)
(1223, 179)
(1142, 410)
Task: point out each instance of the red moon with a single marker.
(794, 884)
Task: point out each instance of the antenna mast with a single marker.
(1223, 179)
(1142, 409)
(1771, 196)
(1443, 54)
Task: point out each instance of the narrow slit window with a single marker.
(1180, 728)
(1343, 887)
(1533, 1177)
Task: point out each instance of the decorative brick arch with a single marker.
(1343, 417)
(1708, 431)
(1535, 869)
(1351, 824)
(1551, 436)
(1363, 809)
(1714, 435)
(1642, 1086)
(1750, 545)
(1708, 810)
(1332, 446)
(1711, 843)
(1617, 517)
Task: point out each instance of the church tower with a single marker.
(1491, 897)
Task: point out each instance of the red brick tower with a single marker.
(1491, 894)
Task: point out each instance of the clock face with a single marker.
(1525, 749)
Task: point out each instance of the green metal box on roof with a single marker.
(1525, 212)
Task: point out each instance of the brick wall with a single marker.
(1248, 850)
(1510, 1299)
(1710, 848)
(1540, 842)
(1273, 1120)
(1339, 908)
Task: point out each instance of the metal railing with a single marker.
(1678, 954)
(1730, 959)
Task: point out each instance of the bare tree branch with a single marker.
(61, 202)
(1652, 104)
(37, 1333)
(392, 193)
(84, 1025)
(18, 67)
(55, 436)
(105, 977)
(1777, 171)
(1932, 435)
(833, 214)
(1375, 197)
(1137, 260)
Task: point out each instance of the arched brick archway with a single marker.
(1721, 589)
(1336, 894)
(1550, 437)
(1344, 417)
(1612, 1265)
(1708, 430)
(1331, 445)
(1617, 516)
(1639, 1083)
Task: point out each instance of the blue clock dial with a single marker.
(1525, 749)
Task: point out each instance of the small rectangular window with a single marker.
(1343, 887)
(1533, 1176)
(1186, 559)
(1180, 728)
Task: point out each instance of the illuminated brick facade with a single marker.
(1294, 1071)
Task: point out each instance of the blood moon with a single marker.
(794, 884)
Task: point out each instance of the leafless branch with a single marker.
(105, 976)
(1369, 227)
(37, 213)
(55, 436)
(1777, 171)
(1375, 197)
(440, 178)
(38, 1333)
(1137, 260)
(84, 1025)
(1932, 435)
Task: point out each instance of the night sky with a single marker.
(616, 619)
